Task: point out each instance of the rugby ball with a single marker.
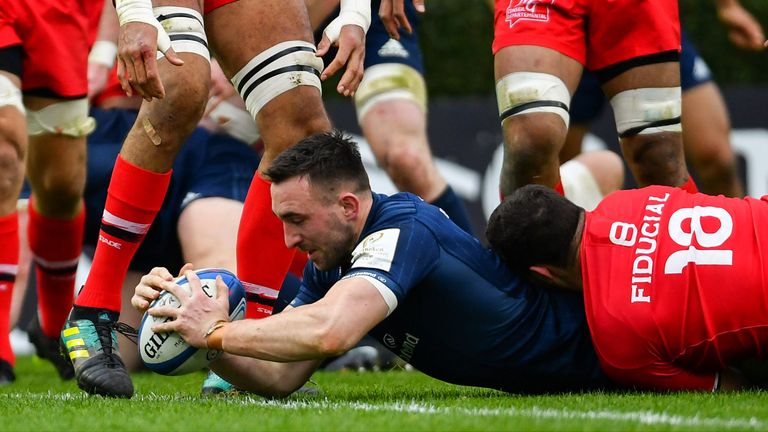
(168, 353)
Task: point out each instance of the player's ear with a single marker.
(351, 204)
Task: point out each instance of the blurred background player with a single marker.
(44, 47)
(391, 107)
(540, 49)
(265, 47)
(706, 126)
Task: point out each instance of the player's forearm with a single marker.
(294, 335)
(264, 377)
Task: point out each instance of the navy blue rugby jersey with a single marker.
(456, 312)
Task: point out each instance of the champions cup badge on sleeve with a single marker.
(528, 10)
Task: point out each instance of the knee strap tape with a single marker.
(389, 81)
(10, 95)
(647, 110)
(528, 92)
(273, 72)
(69, 118)
(185, 29)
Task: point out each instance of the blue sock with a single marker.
(454, 208)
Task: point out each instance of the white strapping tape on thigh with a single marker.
(280, 68)
(10, 95)
(69, 118)
(388, 81)
(528, 92)
(235, 121)
(647, 110)
(185, 29)
(579, 185)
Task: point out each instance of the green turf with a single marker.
(373, 401)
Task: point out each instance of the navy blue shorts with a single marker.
(588, 101)
(380, 48)
(207, 166)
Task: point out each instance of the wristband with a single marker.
(354, 12)
(141, 11)
(213, 342)
(103, 52)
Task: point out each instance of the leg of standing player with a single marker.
(392, 112)
(538, 63)
(706, 135)
(276, 72)
(136, 192)
(13, 145)
(56, 124)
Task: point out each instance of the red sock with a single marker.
(56, 245)
(9, 262)
(134, 197)
(262, 257)
(689, 186)
(559, 188)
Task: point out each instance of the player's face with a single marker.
(312, 224)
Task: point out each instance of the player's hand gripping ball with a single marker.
(168, 353)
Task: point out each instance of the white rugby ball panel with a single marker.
(168, 353)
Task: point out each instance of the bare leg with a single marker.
(655, 158)
(706, 137)
(533, 141)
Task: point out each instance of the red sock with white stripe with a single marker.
(56, 245)
(262, 257)
(134, 197)
(9, 263)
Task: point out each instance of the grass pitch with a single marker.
(371, 401)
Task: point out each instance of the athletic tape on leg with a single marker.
(388, 81)
(647, 110)
(10, 95)
(69, 118)
(528, 92)
(283, 67)
(185, 30)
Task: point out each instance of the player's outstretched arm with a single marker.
(264, 377)
(141, 35)
(328, 327)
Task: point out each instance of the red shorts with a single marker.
(55, 36)
(596, 33)
(213, 4)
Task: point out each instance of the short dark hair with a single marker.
(325, 159)
(533, 226)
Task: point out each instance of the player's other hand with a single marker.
(137, 60)
(392, 14)
(98, 76)
(351, 52)
(744, 30)
(197, 311)
(151, 284)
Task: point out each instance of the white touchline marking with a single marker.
(642, 417)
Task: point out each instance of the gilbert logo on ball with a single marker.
(168, 353)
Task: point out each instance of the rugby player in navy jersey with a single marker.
(395, 268)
